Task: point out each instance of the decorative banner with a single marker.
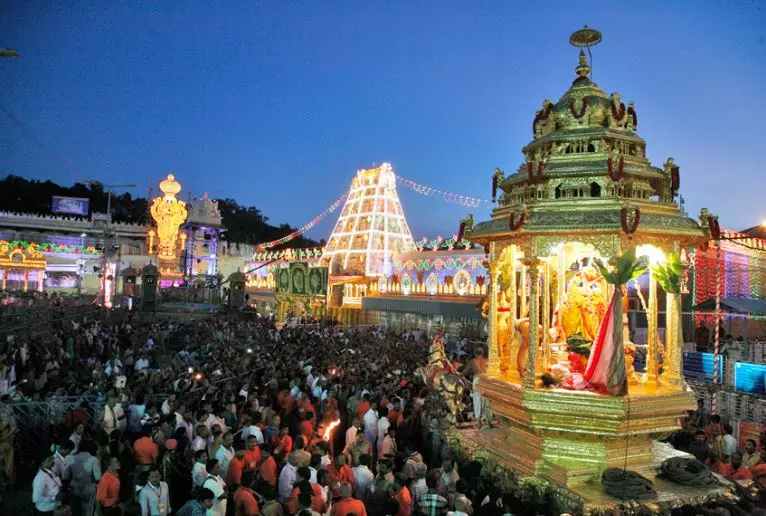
(305, 227)
(464, 200)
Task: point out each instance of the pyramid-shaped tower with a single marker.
(371, 227)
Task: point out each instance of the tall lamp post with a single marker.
(107, 228)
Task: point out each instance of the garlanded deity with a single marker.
(584, 306)
(169, 213)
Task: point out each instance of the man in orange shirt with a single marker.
(347, 504)
(268, 469)
(283, 443)
(306, 428)
(252, 454)
(108, 490)
(304, 486)
(402, 495)
(146, 452)
(236, 467)
(245, 503)
(739, 471)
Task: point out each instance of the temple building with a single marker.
(580, 221)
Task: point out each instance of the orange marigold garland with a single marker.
(630, 229)
(582, 109)
(620, 166)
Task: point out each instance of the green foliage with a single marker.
(623, 269)
(578, 344)
(668, 274)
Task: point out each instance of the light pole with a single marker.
(107, 227)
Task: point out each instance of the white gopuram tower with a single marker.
(371, 227)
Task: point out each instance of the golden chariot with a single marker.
(585, 193)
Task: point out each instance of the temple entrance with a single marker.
(21, 268)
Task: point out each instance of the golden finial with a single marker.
(585, 38)
(582, 70)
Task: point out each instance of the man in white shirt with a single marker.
(225, 453)
(142, 364)
(462, 507)
(154, 498)
(251, 427)
(351, 433)
(200, 440)
(287, 479)
(363, 477)
(199, 471)
(419, 487)
(371, 426)
(383, 424)
(61, 458)
(215, 483)
(46, 488)
(729, 442)
(168, 405)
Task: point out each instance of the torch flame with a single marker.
(328, 431)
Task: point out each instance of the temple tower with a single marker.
(370, 228)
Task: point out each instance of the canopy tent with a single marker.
(735, 305)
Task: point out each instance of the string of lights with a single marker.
(428, 191)
(736, 241)
(313, 222)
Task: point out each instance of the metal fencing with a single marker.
(39, 422)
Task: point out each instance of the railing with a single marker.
(38, 420)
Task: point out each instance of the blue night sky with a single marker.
(277, 104)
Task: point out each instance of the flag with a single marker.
(606, 365)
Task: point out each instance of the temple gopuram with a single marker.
(578, 225)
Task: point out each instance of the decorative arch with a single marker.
(462, 282)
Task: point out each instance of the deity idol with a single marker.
(169, 213)
(583, 308)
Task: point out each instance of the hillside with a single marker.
(245, 224)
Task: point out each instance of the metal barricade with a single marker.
(38, 420)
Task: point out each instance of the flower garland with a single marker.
(675, 180)
(618, 115)
(620, 166)
(48, 247)
(461, 231)
(629, 230)
(533, 178)
(494, 187)
(582, 109)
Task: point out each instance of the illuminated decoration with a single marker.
(406, 283)
(587, 196)
(168, 213)
(441, 244)
(19, 265)
(742, 270)
(371, 227)
(464, 200)
(462, 282)
(47, 247)
(298, 232)
(382, 285)
(432, 284)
